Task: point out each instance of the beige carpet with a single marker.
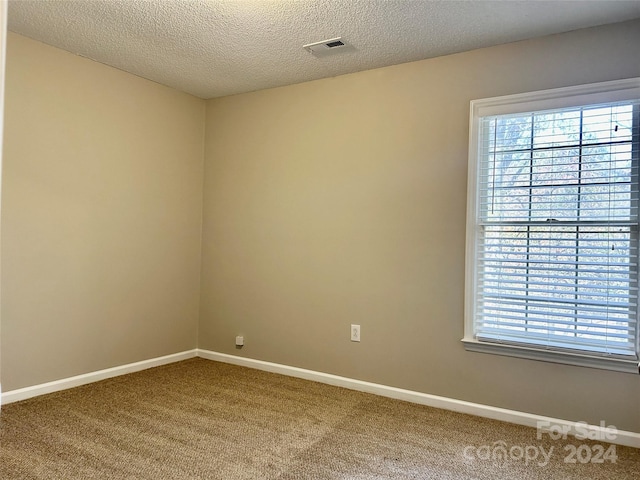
(200, 419)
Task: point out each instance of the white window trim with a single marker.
(604, 92)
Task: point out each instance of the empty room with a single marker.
(303, 239)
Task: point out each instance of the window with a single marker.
(552, 225)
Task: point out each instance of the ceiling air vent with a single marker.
(325, 46)
(335, 43)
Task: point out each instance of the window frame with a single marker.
(594, 93)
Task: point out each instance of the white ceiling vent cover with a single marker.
(326, 46)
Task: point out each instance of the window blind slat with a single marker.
(593, 347)
(523, 278)
(559, 317)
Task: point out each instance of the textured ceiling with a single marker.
(213, 48)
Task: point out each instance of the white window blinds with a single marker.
(556, 252)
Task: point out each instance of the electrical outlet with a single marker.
(355, 333)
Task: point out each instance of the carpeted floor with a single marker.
(199, 419)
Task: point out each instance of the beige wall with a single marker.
(3, 45)
(343, 201)
(101, 217)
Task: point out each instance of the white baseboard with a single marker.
(599, 432)
(545, 424)
(65, 383)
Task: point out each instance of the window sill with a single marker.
(615, 364)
